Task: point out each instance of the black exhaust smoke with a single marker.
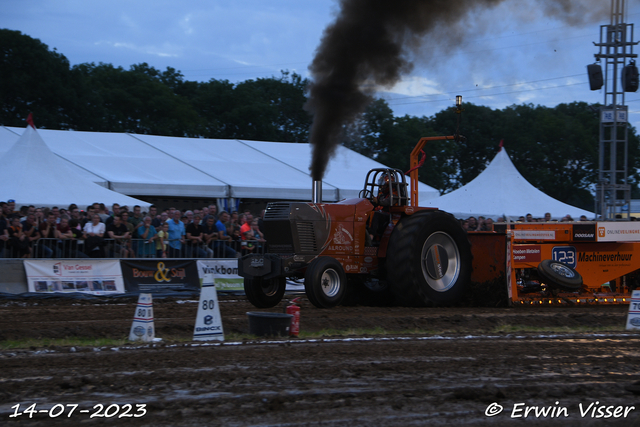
(370, 46)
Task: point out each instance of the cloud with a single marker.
(415, 86)
(165, 51)
(186, 25)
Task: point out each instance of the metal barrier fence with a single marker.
(129, 248)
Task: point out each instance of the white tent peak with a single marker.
(33, 175)
(501, 190)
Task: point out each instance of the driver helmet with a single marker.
(383, 181)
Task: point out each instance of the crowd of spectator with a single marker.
(486, 224)
(99, 232)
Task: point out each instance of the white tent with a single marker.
(160, 166)
(32, 175)
(500, 190)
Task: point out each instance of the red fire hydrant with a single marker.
(294, 310)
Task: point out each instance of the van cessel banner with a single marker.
(158, 275)
(97, 277)
(624, 231)
(224, 272)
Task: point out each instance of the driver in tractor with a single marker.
(385, 196)
(391, 191)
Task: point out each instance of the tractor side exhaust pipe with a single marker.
(316, 192)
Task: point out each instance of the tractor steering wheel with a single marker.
(368, 194)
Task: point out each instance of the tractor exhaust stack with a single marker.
(316, 192)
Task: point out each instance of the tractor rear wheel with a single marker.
(325, 282)
(264, 293)
(428, 259)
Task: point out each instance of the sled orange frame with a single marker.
(606, 254)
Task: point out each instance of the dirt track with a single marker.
(406, 378)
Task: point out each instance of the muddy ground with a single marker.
(436, 366)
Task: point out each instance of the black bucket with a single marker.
(265, 324)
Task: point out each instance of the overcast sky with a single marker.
(513, 54)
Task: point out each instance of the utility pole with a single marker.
(613, 191)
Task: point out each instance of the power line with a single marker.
(496, 87)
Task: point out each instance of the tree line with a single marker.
(554, 148)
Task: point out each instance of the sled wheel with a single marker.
(428, 259)
(559, 275)
(264, 293)
(325, 282)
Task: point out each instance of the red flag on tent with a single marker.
(501, 144)
(30, 120)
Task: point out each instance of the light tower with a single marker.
(613, 191)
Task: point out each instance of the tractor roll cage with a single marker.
(397, 186)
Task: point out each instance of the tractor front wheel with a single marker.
(264, 293)
(325, 282)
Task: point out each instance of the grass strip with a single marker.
(50, 343)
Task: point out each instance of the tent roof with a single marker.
(147, 165)
(346, 171)
(500, 190)
(249, 173)
(33, 175)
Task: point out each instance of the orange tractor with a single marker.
(380, 243)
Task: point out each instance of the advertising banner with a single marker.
(526, 253)
(535, 234)
(623, 231)
(224, 272)
(584, 232)
(160, 275)
(97, 277)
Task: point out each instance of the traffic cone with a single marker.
(633, 318)
(142, 328)
(208, 321)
